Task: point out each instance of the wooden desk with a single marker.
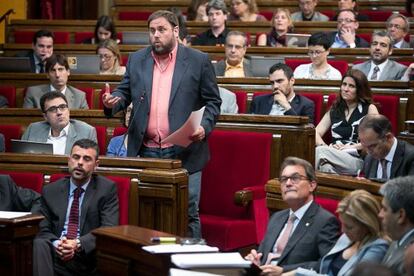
(329, 186)
(119, 251)
(16, 244)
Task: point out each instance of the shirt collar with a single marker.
(52, 88)
(170, 57)
(390, 156)
(406, 235)
(63, 132)
(238, 66)
(73, 186)
(301, 211)
(398, 44)
(380, 66)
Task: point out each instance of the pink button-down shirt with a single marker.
(158, 125)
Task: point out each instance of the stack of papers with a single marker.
(181, 272)
(210, 260)
(12, 215)
(178, 248)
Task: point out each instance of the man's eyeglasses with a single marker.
(398, 27)
(294, 178)
(346, 20)
(315, 53)
(54, 109)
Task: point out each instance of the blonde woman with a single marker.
(245, 11)
(110, 56)
(362, 239)
(281, 25)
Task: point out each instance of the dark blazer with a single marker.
(312, 239)
(99, 208)
(402, 163)
(301, 106)
(17, 199)
(4, 103)
(2, 143)
(220, 68)
(359, 42)
(394, 259)
(30, 55)
(193, 86)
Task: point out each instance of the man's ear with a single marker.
(402, 216)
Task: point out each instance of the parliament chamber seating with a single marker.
(27, 37)
(134, 15)
(328, 204)
(119, 131)
(101, 136)
(10, 132)
(241, 99)
(239, 162)
(29, 180)
(340, 65)
(80, 37)
(89, 91)
(9, 92)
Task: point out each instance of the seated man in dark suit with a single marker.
(345, 36)
(387, 156)
(73, 207)
(301, 235)
(17, 199)
(397, 216)
(236, 65)
(57, 128)
(283, 100)
(57, 68)
(380, 66)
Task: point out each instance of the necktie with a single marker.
(282, 242)
(384, 168)
(41, 67)
(73, 224)
(374, 75)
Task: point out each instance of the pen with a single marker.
(163, 239)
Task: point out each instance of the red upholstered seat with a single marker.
(119, 131)
(27, 180)
(124, 59)
(9, 92)
(379, 16)
(328, 204)
(317, 99)
(239, 160)
(134, 15)
(80, 37)
(123, 185)
(241, 99)
(101, 136)
(27, 37)
(10, 132)
(329, 13)
(340, 65)
(367, 37)
(89, 91)
(267, 14)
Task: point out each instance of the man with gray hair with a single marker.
(398, 27)
(235, 65)
(217, 15)
(397, 216)
(380, 67)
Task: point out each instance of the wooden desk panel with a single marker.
(16, 244)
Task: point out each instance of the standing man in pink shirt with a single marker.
(166, 82)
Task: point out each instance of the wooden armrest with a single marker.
(243, 197)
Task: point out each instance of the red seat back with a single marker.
(101, 136)
(241, 99)
(27, 37)
(379, 16)
(267, 14)
(388, 106)
(328, 204)
(10, 132)
(119, 131)
(9, 92)
(340, 65)
(224, 174)
(27, 180)
(80, 37)
(89, 91)
(317, 99)
(367, 37)
(134, 15)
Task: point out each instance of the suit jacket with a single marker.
(220, 68)
(392, 70)
(17, 199)
(228, 102)
(39, 131)
(193, 86)
(359, 42)
(313, 237)
(394, 259)
(301, 106)
(2, 145)
(402, 163)
(75, 97)
(99, 208)
(29, 54)
(3, 102)
(404, 44)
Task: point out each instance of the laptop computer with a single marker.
(15, 64)
(297, 40)
(260, 65)
(135, 38)
(23, 146)
(84, 64)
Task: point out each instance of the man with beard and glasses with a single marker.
(73, 206)
(380, 67)
(166, 82)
